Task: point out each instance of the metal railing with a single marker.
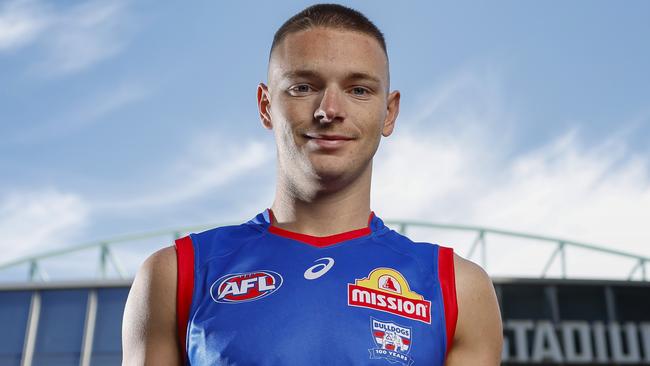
(640, 262)
(108, 259)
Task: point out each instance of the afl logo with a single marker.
(243, 287)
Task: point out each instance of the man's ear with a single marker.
(264, 105)
(391, 116)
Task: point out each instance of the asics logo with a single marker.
(319, 269)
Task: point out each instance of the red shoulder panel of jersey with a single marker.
(448, 285)
(185, 281)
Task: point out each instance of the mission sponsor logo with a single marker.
(385, 289)
(243, 287)
(392, 341)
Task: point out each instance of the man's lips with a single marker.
(327, 136)
(328, 142)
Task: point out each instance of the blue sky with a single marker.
(121, 117)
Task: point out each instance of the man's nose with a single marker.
(331, 106)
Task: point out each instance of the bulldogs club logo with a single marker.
(242, 287)
(393, 342)
(385, 289)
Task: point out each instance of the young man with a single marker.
(317, 279)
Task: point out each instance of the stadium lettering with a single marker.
(576, 342)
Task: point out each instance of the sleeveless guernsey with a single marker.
(256, 294)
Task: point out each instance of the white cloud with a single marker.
(20, 23)
(453, 163)
(72, 39)
(86, 111)
(112, 100)
(211, 163)
(85, 35)
(46, 219)
(34, 222)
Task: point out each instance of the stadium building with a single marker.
(562, 302)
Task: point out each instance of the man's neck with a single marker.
(323, 214)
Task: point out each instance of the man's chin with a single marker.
(329, 172)
(330, 169)
(327, 175)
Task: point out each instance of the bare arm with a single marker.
(149, 327)
(479, 335)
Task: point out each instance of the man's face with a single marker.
(327, 102)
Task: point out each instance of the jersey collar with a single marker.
(321, 241)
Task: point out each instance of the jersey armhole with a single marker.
(447, 279)
(185, 288)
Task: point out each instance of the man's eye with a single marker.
(359, 91)
(302, 88)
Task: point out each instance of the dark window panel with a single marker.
(632, 303)
(527, 301)
(107, 345)
(14, 314)
(60, 328)
(582, 302)
(10, 360)
(105, 359)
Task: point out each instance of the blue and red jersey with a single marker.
(256, 294)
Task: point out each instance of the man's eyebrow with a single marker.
(306, 73)
(294, 74)
(363, 76)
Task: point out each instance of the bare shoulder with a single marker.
(471, 279)
(159, 266)
(156, 280)
(476, 298)
(479, 335)
(149, 324)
